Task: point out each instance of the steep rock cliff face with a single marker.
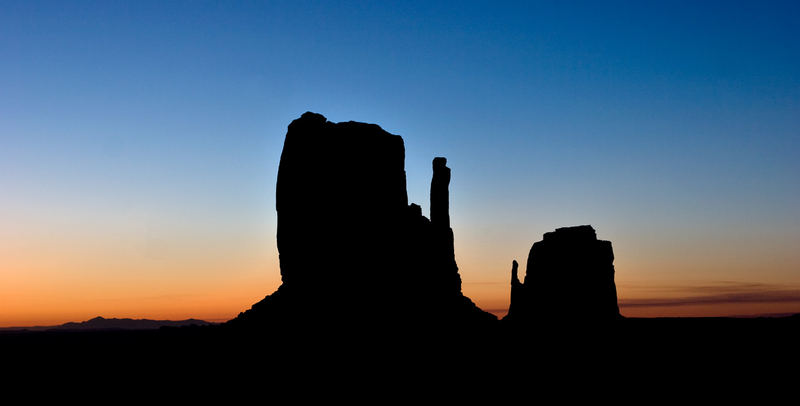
(352, 250)
(569, 277)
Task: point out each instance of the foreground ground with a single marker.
(672, 352)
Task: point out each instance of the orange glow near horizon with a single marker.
(53, 280)
(50, 300)
(49, 280)
(219, 301)
(213, 301)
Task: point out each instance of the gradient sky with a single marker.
(139, 143)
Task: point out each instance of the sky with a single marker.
(139, 143)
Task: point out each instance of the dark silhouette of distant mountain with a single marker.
(100, 323)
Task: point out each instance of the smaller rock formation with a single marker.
(569, 277)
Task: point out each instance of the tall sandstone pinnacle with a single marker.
(352, 250)
(569, 278)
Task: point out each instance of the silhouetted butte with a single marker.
(352, 250)
(569, 277)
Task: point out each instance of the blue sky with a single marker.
(674, 128)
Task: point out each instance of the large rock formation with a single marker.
(352, 250)
(570, 277)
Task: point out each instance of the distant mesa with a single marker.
(101, 323)
(570, 276)
(352, 249)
